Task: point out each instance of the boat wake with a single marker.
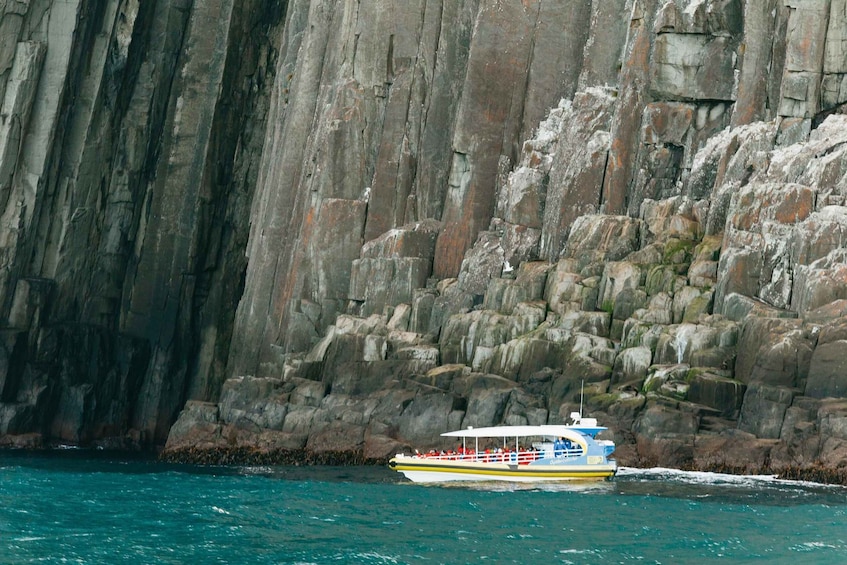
(706, 478)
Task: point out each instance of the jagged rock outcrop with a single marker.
(349, 226)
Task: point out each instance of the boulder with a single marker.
(15, 417)
(617, 277)
(716, 391)
(524, 409)
(821, 282)
(400, 318)
(832, 416)
(423, 301)
(737, 307)
(774, 351)
(594, 323)
(568, 291)
(806, 42)
(655, 441)
(519, 359)
(450, 301)
(578, 166)
(486, 407)
(689, 303)
(411, 240)
(627, 302)
(764, 408)
(483, 262)
(631, 366)
(739, 271)
(703, 274)
(670, 219)
(681, 343)
(659, 310)
(380, 282)
(828, 366)
(700, 305)
(504, 294)
(521, 204)
(427, 416)
(638, 333)
(197, 425)
(800, 435)
(262, 401)
(693, 66)
(602, 238)
(734, 451)
(667, 380)
(363, 378)
(519, 243)
(337, 436)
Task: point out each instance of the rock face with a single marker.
(130, 141)
(351, 226)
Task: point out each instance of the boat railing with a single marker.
(519, 457)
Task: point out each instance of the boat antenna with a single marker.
(581, 393)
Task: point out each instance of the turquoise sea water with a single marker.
(78, 508)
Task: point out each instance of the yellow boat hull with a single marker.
(423, 470)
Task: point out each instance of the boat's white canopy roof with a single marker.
(519, 431)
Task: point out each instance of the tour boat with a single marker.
(522, 454)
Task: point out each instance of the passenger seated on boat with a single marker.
(526, 454)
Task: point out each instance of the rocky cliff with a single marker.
(351, 225)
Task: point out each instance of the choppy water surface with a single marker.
(76, 508)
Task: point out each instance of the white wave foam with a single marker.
(374, 557)
(709, 478)
(258, 470)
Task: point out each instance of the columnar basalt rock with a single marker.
(122, 240)
(330, 225)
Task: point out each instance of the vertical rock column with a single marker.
(632, 98)
(488, 122)
(15, 109)
(761, 59)
(162, 286)
(806, 45)
(443, 62)
(25, 167)
(834, 80)
(277, 212)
